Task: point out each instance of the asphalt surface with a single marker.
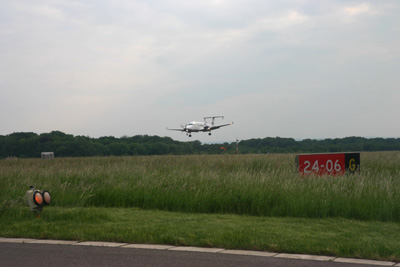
(31, 254)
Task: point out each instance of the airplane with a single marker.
(197, 126)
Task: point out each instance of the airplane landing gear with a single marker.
(209, 133)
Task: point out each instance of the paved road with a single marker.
(30, 254)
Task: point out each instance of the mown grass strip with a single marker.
(329, 236)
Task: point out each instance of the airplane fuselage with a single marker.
(197, 126)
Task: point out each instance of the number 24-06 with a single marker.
(329, 166)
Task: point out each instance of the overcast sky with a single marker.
(300, 68)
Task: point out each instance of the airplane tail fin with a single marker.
(213, 118)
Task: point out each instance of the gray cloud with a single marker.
(300, 69)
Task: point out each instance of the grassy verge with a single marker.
(258, 185)
(329, 236)
(256, 202)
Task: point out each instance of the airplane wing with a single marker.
(182, 130)
(219, 126)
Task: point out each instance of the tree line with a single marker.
(30, 145)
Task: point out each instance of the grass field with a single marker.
(233, 201)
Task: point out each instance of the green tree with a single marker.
(118, 149)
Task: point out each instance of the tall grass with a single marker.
(261, 185)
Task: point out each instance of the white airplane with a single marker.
(198, 126)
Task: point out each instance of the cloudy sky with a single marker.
(291, 68)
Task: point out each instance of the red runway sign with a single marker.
(328, 164)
